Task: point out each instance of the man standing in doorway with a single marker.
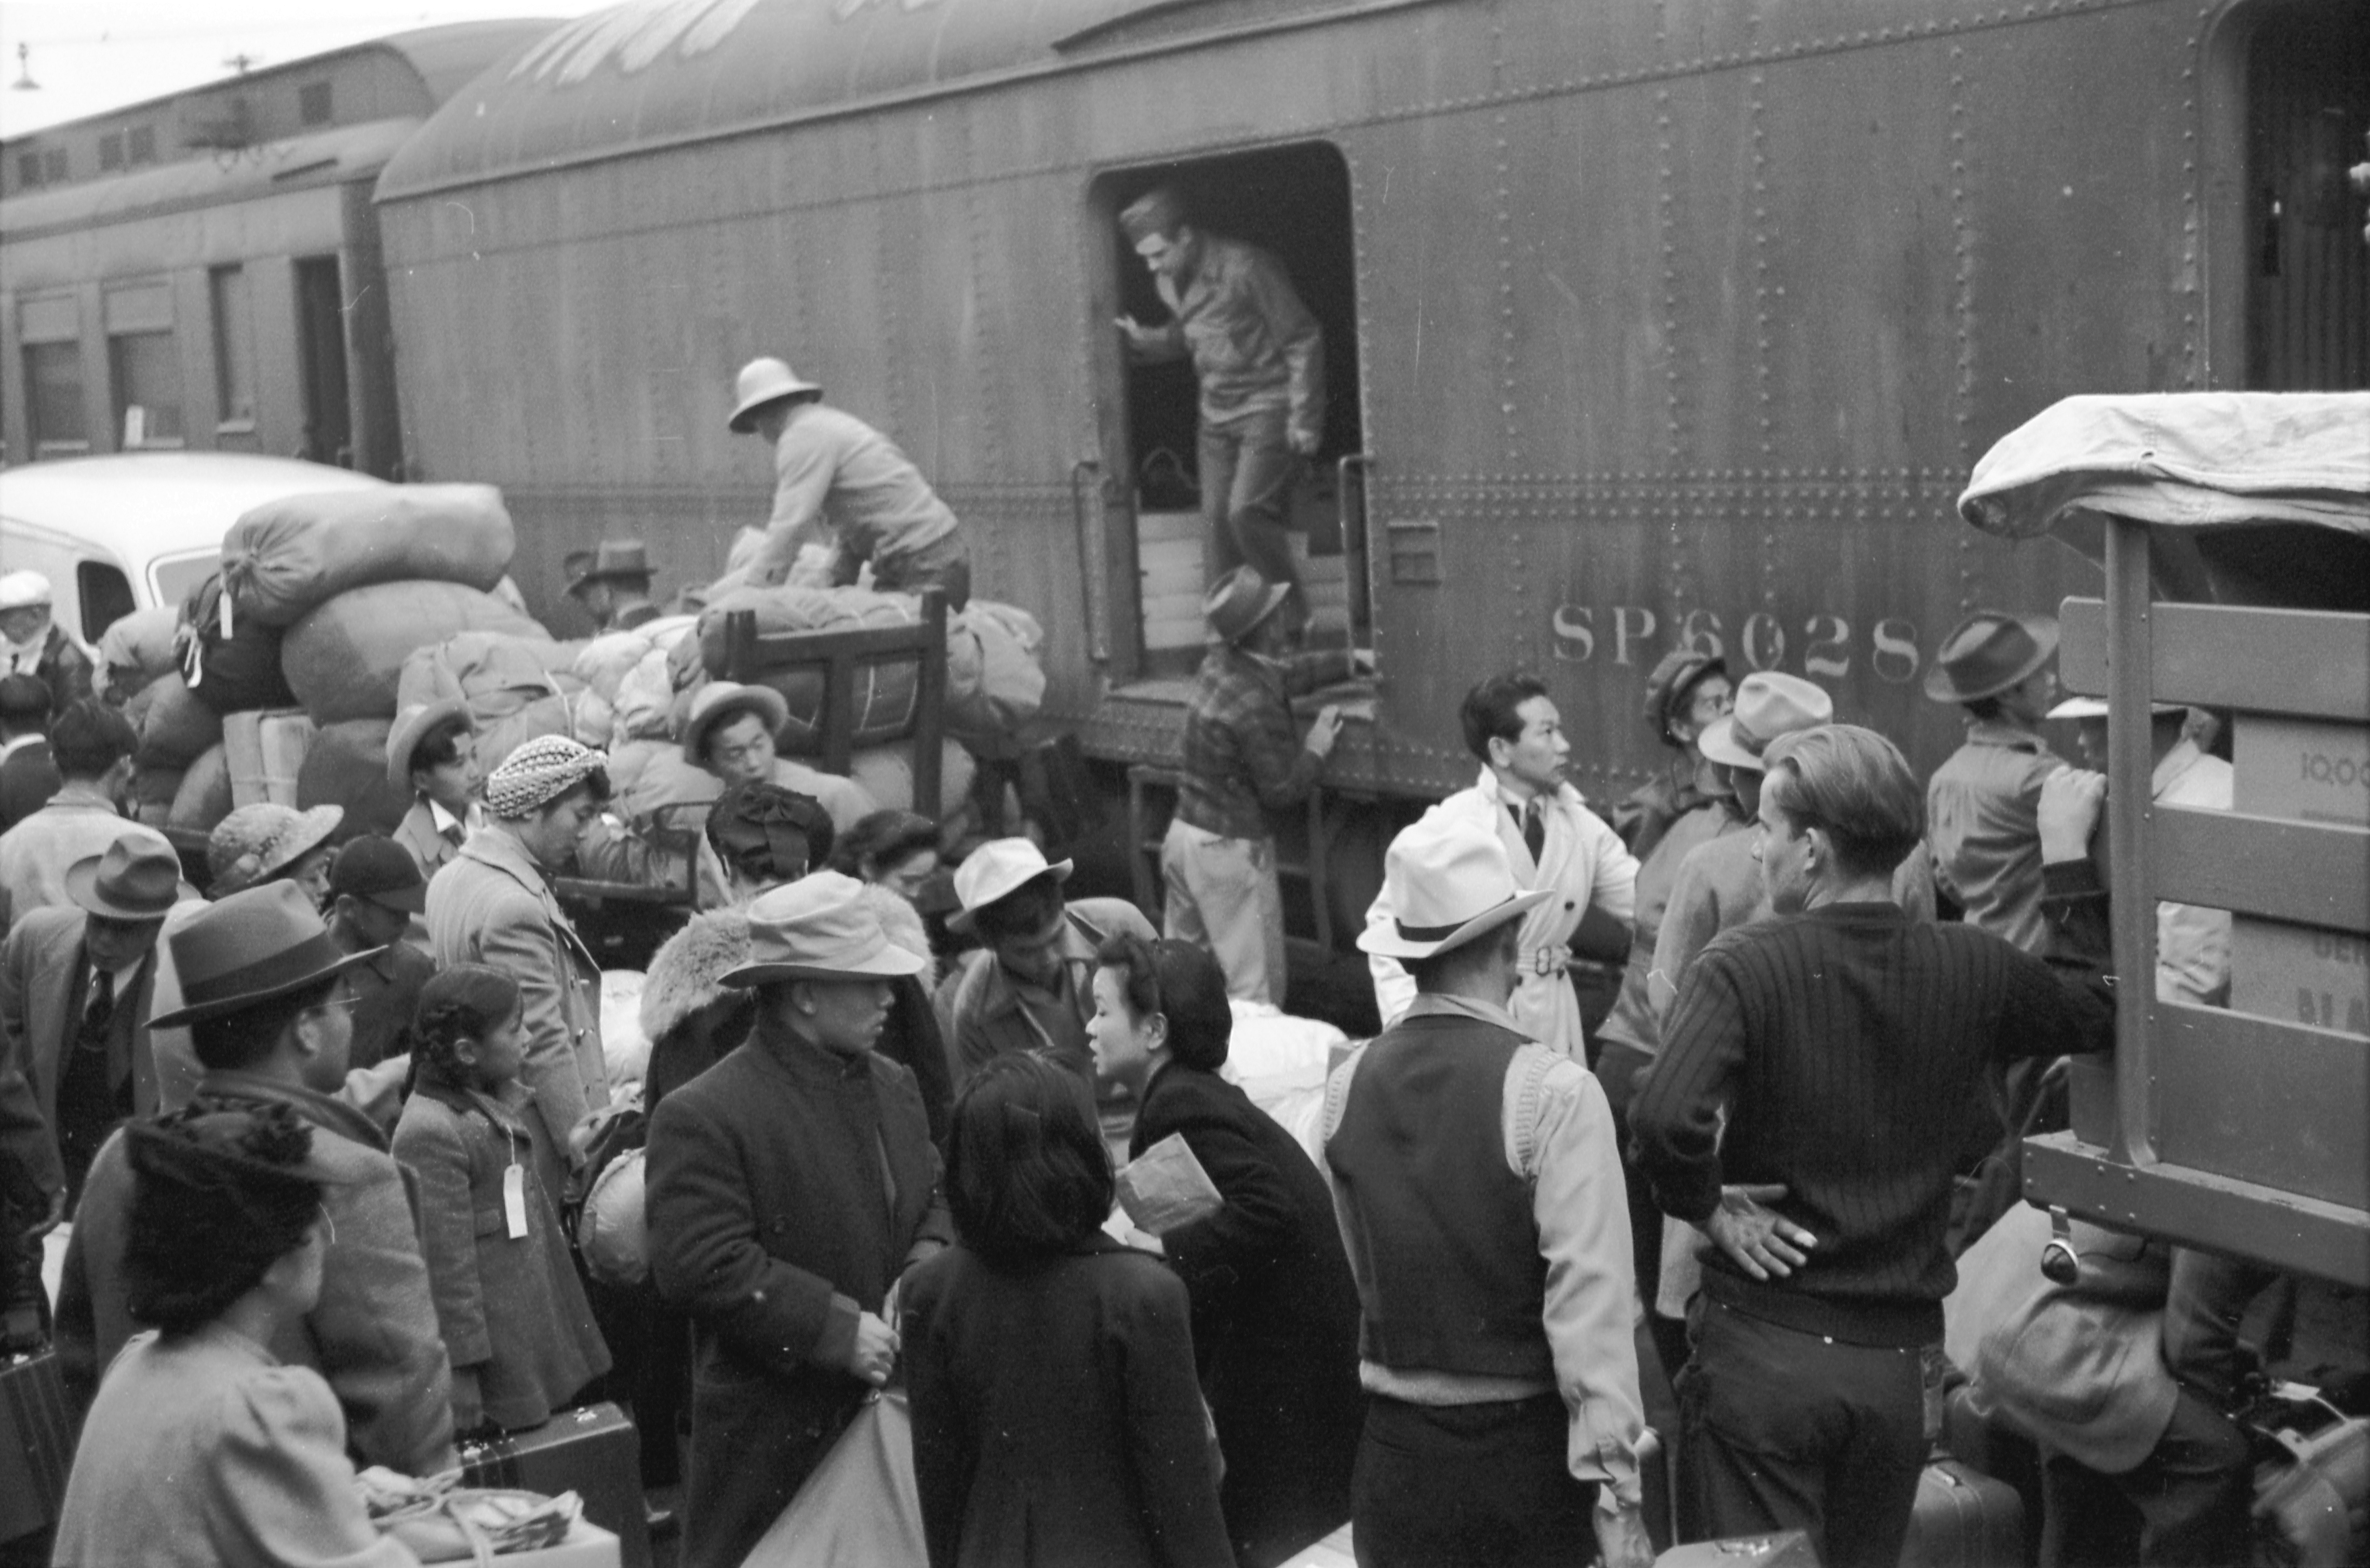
(838, 482)
(1260, 356)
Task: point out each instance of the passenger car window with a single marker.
(106, 597)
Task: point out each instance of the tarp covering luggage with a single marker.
(287, 556)
(347, 657)
(517, 688)
(175, 727)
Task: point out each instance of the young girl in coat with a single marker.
(514, 1314)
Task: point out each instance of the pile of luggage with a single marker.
(281, 676)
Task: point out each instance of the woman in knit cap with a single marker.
(201, 1448)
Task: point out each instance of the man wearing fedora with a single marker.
(613, 583)
(789, 1187)
(840, 483)
(1555, 843)
(375, 894)
(494, 906)
(1983, 803)
(430, 757)
(1259, 356)
(264, 996)
(92, 745)
(1820, 1079)
(75, 986)
(1244, 757)
(1031, 988)
(1479, 1196)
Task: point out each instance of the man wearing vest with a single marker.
(1480, 1200)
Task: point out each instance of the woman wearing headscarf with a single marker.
(201, 1448)
(1275, 1309)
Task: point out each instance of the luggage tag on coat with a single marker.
(515, 1201)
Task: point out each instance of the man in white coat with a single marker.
(1555, 842)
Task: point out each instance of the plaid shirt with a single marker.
(1243, 752)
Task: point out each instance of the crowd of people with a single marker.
(342, 1155)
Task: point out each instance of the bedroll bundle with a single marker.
(346, 657)
(203, 798)
(134, 650)
(288, 557)
(516, 687)
(347, 767)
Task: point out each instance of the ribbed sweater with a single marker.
(1849, 1046)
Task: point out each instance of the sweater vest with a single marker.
(1454, 1282)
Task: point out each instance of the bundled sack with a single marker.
(347, 657)
(135, 650)
(347, 767)
(592, 720)
(644, 706)
(995, 683)
(885, 693)
(203, 798)
(515, 687)
(290, 555)
(887, 774)
(236, 667)
(646, 776)
(175, 727)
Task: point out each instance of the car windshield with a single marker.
(177, 576)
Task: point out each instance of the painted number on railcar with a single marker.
(1824, 646)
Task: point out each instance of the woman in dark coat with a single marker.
(1275, 1312)
(1057, 1420)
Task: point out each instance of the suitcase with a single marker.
(594, 1452)
(1964, 1519)
(36, 1439)
(1988, 1447)
(1785, 1549)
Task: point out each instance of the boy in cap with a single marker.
(1259, 358)
(838, 481)
(265, 999)
(375, 894)
(1032, 988)
(1244, 757)
(1983, 803)
(1480, 1202)
(32, 643)
(494, 906)
(790, 1185)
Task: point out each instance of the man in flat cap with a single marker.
(840, 483)
(1259, 357)
(265, 998)
(32, 643)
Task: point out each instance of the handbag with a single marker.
(862, 1504)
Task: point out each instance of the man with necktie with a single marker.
(1556, 845)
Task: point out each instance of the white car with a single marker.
(132, 531)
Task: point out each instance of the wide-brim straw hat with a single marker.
(249, 947)
(763, 381)
(997, 869)
(1988, 652)
(1238, 602)
(819, 927)
(256, 842)
(138, 878)
(719, 701)
(1769, 703)
(413, 725)
(1448, 882)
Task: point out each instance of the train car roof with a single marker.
(320, 157)
(658, 73)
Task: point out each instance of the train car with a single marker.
(201, 271)
(1648, 321)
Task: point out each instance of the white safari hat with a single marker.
(1450, 881)
(1769, 703)
(996, 870)
(763, 381)
(819, 927)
